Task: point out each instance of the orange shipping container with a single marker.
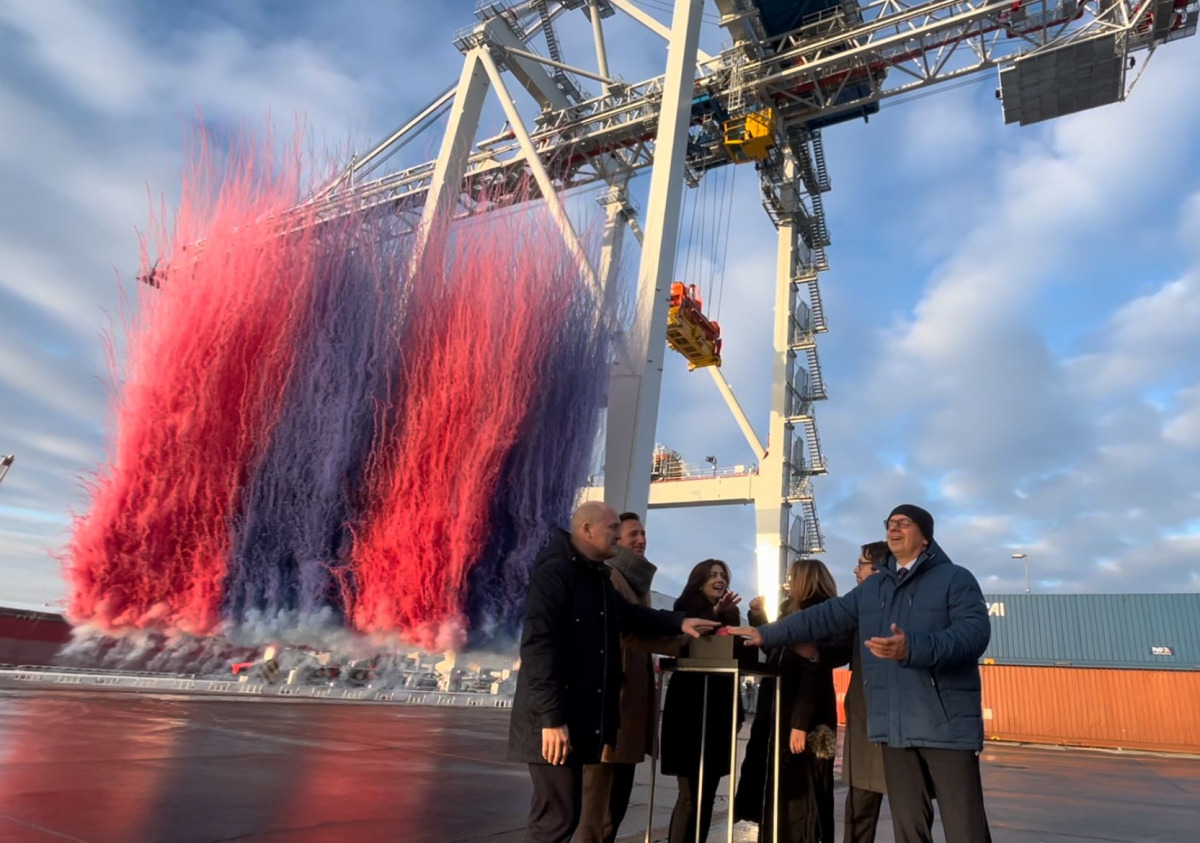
(1100, 707)
(841, 681)
(1077, 706)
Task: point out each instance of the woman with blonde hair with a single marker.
(808, 725)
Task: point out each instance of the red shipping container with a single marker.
(1087, 707)
(31, 638)
(1096, 707)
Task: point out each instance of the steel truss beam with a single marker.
(816, 72)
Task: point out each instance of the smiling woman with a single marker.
(697, 703)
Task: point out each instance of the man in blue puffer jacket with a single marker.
(925, 625)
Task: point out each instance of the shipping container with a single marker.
(1085, 707)
(1139, 631)
(1093, 707)
(841, 681)
(29, 637)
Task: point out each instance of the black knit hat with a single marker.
(920, 517)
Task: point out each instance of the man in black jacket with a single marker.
(567, 704)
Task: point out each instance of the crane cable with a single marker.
(710, 216)
(709, 225)
(725, 245)
(720, 218)
(696, 200)
(696, 248)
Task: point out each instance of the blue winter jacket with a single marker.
(932, 698)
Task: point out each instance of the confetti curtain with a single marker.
(308, 425)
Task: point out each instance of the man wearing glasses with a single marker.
(923, 624)
(862, 761)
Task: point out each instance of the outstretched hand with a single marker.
(696, 627)
(894, 647)
(728, 600)
(749, 633)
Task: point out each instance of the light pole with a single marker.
(5, 464)
(1025, 556)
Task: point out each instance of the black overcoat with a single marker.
(806, 784)
(684, 712)
(571, 654)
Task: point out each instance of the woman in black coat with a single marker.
(707, 596)
(808, 726)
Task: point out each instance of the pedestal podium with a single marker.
(719, 655)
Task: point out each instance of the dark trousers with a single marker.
(862, 815)
(557, 801)
(618, 801)
(917, 775)
(692, 804)
(606, 792)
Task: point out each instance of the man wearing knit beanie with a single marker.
(924, 625)
(918, 516)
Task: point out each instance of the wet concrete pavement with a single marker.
(95, 767)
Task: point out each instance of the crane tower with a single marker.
(792, 68)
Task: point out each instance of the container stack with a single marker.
(1103, 670)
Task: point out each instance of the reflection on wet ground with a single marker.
(114, 768)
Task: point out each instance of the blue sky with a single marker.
(1014, 313)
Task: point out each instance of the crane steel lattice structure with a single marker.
(793, 68)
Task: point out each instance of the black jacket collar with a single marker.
(560, 546)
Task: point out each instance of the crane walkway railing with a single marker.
(688, 471)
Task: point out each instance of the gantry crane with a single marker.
(794, 67)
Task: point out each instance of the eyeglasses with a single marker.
(898, 523)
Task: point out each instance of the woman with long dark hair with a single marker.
(808, 726)
(706, 595)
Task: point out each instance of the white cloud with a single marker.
(67, 450)
(104, 63)
(938, 134)
(40, 279)
(1146, 339)
(1189, 224)
(63, 391)
(86, 49)
(1184, 426)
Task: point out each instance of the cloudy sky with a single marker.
(1014, 313)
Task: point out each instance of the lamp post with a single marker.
(5, 464)
(1025, 556)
